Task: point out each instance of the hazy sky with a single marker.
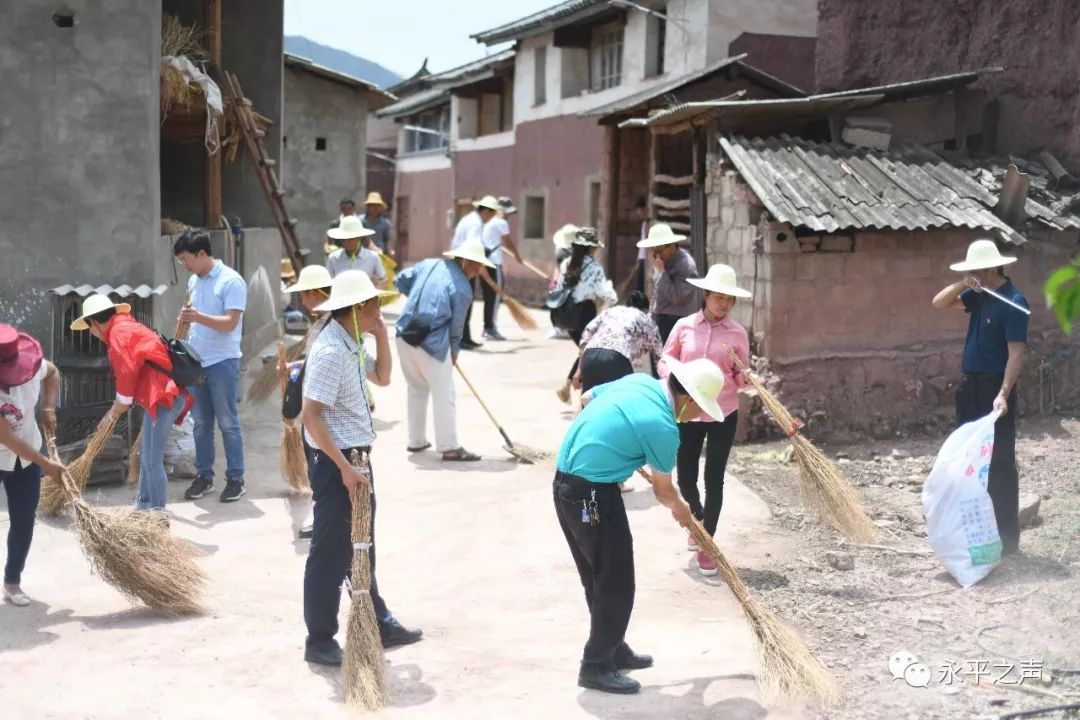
(399, 34)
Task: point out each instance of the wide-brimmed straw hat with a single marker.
(471, 249)
(374, 198)
(507, 206)
(349, 228)
(703, 380)
(721, 279)
(312, 277)
(488, 202)
(982, 255)
(287, 270)
(659, 235)
(563, 236)
(95, 304)
(586, 236)
(349, 288)
(20, 356)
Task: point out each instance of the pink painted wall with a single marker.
(423, 233)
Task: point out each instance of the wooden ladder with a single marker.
(244, 117)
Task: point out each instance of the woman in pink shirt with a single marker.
(708, 334)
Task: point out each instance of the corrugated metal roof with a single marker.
(547, 19)
(735, 112)
(919, 88)
(1046, 203)
(122, 291)
(831, 187)
(299, 61)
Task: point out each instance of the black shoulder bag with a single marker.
(417, 329)
(187, 369)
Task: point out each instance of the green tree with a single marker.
(1063, 294)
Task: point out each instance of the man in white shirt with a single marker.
(472, 225)
(352, 256)
(496, 236)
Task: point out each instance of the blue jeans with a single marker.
(216, 400)
(23, 487)
(155, 433)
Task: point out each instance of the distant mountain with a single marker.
(340, 61)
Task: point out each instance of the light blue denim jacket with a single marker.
(440, 294)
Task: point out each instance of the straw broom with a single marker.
(180, 332)
(291, 453)
(54, 497)
(828, 492)
(363, 666)
(134, 552)
(266, 380)
(521, 316)
(788, 669)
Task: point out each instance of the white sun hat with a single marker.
(564, 236)
(720, 279)
(704, 380)
(312, 277)
(982, 255)
(350, 227)
(95, 304)
(471, 249)
(349, 288)
(660, 234)
(488, 202)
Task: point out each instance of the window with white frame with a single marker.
(605, 57)
(428, 130)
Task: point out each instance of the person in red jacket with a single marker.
(140, 362)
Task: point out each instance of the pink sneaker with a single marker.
(691, 543)
(705, 564)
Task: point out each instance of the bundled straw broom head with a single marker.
(135, 553)
(267, 380)
(292, 458)
(522, 317)
(787, 668)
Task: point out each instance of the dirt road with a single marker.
(470, 553)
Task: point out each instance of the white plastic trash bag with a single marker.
(960, 518)
(180, 450)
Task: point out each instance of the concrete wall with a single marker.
(851, 333)
(78, 150)
(871, 42)
(251, 48)
(788, 57)
(316, 180)
(423, 201)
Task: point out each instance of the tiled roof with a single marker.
(381, 97)
(440, 85)
(547, 19)
(831, 186)
(122, 291)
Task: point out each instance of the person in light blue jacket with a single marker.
(429, 336)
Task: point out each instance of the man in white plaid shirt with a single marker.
(336, 421)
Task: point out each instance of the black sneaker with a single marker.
(234, 489)
(607, 680)
(200, 486)
(469, 345)
(493, 334)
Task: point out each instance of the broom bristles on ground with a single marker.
(522, 317)
(134, 458)
(134, 552)
(363, 666)
(529, 454)
(787, 668)
(825, 489)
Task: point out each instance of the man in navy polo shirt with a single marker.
(993, 358)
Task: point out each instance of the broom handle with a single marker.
(182, 328)
(532, 267)
(491, 283)
(284, 363)
(1003, 299)
(484, 405)
(66, 483)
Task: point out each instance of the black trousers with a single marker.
(604, 555)
(23, 487)
(466, 335)
(330, 557)
(639, 284)
(600, 365)
(586, 313)
(692, 436)
(491, 298)
(975, 399)
(665, 323)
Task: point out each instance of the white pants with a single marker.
(427, 376)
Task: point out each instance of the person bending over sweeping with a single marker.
(140, 361)
(616, 341)
(709, 333)
(24, 374)
(624, 425)
(336, 422)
